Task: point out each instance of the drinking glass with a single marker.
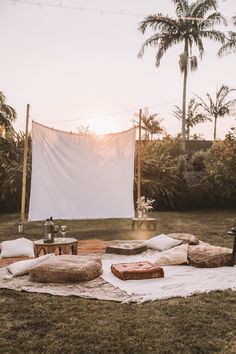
(63, 230)
(56, 229)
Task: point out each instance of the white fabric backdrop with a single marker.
(81, 176)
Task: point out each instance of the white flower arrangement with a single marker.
(145, 204)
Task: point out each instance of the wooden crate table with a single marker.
(148, 223)
(62, 246)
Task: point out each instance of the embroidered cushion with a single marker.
(137, 270)
(207, 256)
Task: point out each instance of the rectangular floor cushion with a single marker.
(137, 270)
(127, 248)
(66, 269)
(208, 256)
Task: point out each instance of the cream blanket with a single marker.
(181, 280)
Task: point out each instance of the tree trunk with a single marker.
(215, 128)
(184, 95)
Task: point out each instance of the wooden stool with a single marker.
(149, 223)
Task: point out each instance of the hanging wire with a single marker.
(61, 5)
(104, 115)
(101, 115)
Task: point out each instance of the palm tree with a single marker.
(193, 116)
(191, 26)
(218, 107)
(230, 45)
(7, 116)
(151, 125)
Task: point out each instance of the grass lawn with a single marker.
(39, 323)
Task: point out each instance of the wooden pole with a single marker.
(23, 194)
(139, 156)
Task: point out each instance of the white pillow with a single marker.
(162, 242)
(17, 248)
(22, 267)
(173, 256)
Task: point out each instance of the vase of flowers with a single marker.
(143, 206)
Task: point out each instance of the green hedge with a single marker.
(203, 178)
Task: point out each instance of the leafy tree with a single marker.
(219, 106)
(193, 116)
(220, 173)
(11, 166)
(7, 117)
(191, 26)
(161, 177)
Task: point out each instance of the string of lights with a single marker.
(103, 115)
(61, 5)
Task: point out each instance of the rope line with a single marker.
(60, 5)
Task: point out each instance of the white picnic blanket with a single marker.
(182, 280)
(179, 281)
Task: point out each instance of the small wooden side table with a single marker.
(149, 223)
(63, 246)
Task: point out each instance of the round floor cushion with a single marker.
(66, 269)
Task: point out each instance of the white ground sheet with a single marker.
(179, 281)
(81, 176)
(182, 280)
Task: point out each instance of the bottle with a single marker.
(52, 231)
(46, 232)
(49, 231)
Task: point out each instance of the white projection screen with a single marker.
(81, 176)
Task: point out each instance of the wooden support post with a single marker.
(139, 156)
(23, 194)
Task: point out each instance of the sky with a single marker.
(77, 64)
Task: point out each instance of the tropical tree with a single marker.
(7, 116)
(193, 116)
(230, 44)
(191, 26)
(219, 106)
(151, 125)
(161, 175)
(11, 165)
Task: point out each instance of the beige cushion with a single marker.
(66, 268)
(207, 256)
(17, 248)
(22, 267)
(186, 238)
(162, 242)
(173, 256)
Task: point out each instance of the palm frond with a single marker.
(181, 7)
(158, 21)
(165, 43)
(214, 35)
(201, 7)
(229, 46)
